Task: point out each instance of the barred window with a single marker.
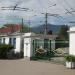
(0, 40)
(3, 40)
(12, 41)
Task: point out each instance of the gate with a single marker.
(46, 44)
(54, 49)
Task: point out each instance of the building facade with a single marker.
(24, 42)
(72, 40)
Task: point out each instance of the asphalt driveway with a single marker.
(25, 67)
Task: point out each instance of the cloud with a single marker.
(38, 7)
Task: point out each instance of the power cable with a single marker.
(67, 3)
(67, 11)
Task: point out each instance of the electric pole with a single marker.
(29, 26)
(22, 26)
(46, 20)
(46, 16)
(46, 23)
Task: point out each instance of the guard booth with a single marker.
(28, 51)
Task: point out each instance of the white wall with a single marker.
(27, 47)
(72, 28)
(7, 40)
(18, 42)
(72, 44)
(18, 46)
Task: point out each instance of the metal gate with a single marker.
(46, 44)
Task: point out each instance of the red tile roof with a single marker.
(11, 28)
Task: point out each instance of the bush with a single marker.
(40, 53)
(60, 50)
(4, 49)
(70, 58)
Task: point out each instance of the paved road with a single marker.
(24, 67)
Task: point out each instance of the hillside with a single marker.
(55, 28)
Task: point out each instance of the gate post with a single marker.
(33, 43)
(50, 45)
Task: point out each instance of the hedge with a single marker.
(4, 49)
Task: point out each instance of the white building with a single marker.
(24, 41)
(72, 40)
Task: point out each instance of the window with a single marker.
(0, 40)
(12, 41)
(3, 40)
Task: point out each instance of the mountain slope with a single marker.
(40, 29)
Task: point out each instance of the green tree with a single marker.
(63, 34)
(26, 28)
(4, 49)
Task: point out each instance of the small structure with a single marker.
(25, 41)
(72, 40)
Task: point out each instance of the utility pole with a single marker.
(46, 23)
(46, 20)
(29, 25)
(22, 26)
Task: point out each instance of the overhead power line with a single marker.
(16, 8)
(70, 12)
(66, 9)
(67, 3)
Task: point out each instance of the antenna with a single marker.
(15, 7)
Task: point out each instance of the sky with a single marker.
(37, 11)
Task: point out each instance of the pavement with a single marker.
(26, 67)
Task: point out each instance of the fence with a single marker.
(49, 46)
(61, 43)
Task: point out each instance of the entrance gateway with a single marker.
(27, 42)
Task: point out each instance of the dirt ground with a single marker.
(25, 67)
